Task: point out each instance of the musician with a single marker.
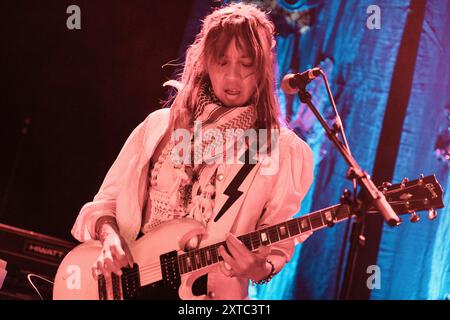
(227, 83)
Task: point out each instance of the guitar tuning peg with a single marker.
(404, 181)
(385, 185)
(421, 177)
(414, 217)
(432, 214)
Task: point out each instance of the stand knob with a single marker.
(432, 214)
(362, 240)
(414, 217)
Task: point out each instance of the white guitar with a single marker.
(161, 264)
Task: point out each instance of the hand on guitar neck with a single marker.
(115, 254)
(238, 261)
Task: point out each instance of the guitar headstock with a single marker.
(421, 194)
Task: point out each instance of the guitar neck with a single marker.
(206, 256)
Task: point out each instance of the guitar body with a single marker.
(74, 279)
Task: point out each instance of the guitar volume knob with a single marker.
(432, 214)
(414, 217)
(403, 183)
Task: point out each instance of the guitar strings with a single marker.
(154, 268)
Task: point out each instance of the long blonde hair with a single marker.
(253, 32)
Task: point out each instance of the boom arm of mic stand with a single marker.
(377, 197)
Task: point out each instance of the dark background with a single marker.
(81, 93)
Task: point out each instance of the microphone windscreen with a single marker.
(286, 85)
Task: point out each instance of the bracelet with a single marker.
(101, 221)
(269, 277)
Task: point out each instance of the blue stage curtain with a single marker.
(414, 259)
(363, 62)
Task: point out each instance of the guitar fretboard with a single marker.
(206, 256)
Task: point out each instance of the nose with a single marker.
(233, 71)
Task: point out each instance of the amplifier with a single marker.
(27, 252)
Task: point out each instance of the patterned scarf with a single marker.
(210, 114)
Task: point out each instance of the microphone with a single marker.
(292, 82)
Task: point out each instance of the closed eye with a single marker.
(223, 63)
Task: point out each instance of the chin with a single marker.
(233, 104)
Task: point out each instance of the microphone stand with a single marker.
(358, 206)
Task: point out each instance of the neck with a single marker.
(202, 257)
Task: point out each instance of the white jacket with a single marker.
(266, 199)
